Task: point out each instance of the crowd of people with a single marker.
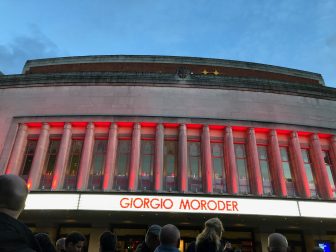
(15, 236)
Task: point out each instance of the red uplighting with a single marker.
(239, 128)
(34, 124)
(29, 185)
(148, 124)
(56, 124)
(125, 124)
(170, 125)
(194, 126)
(79, 124)
(102, 124)
(216, 127)
(324, 135)
(262, 130)
(283, 131)
(303, 133)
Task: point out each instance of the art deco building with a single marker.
(121, 142)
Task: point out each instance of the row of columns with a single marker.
(275, 162)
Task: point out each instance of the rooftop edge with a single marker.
(171, 60)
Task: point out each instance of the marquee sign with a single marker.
(180, 204)
(177, 204)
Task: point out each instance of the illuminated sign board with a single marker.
(52, 201)
(179, 204)
(317, 209)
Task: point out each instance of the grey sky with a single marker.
(298, 34)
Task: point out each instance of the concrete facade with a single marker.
(204, 100)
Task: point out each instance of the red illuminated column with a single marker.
(276, 164)
(253, 163)
(39, 158)
(15, 161)
(110, 157)
(62, 158)
(230, 162)
(86, 158)
(207, 162)
(183, 158)
(333, 153)
(135, 158)
(320, 169)
(158, 161)
(298, 165)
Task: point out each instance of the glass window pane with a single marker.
(284, 154)
(217, 167)
(122, 165)
(194, 149)
(28, 158)
(98, 159)
(194, 166)
(287, 172)
(170, 165)
(194, 159)
(70, 179)
(264, 171)
(305, 156)
(146, 165)
(241, 166)
(123, 157)
(262, 151)
(240, 151)
(217, 149)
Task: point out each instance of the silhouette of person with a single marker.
(14, 235)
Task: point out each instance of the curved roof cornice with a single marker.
(170, 60)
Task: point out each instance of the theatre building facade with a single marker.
(122, 142)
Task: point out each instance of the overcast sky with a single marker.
(298, 34)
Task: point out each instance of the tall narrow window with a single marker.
(264, 169)
(71, 172)
(329, 166)
(28, 158)
(98, 162)
(309, 172)
(288, 172)
(218, 171)
(49, 166)
(145, 181)
(123, 159)
(195, 170)
(243, 178)
(170, 166)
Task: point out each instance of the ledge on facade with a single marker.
(150, 63)
(171, 80)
